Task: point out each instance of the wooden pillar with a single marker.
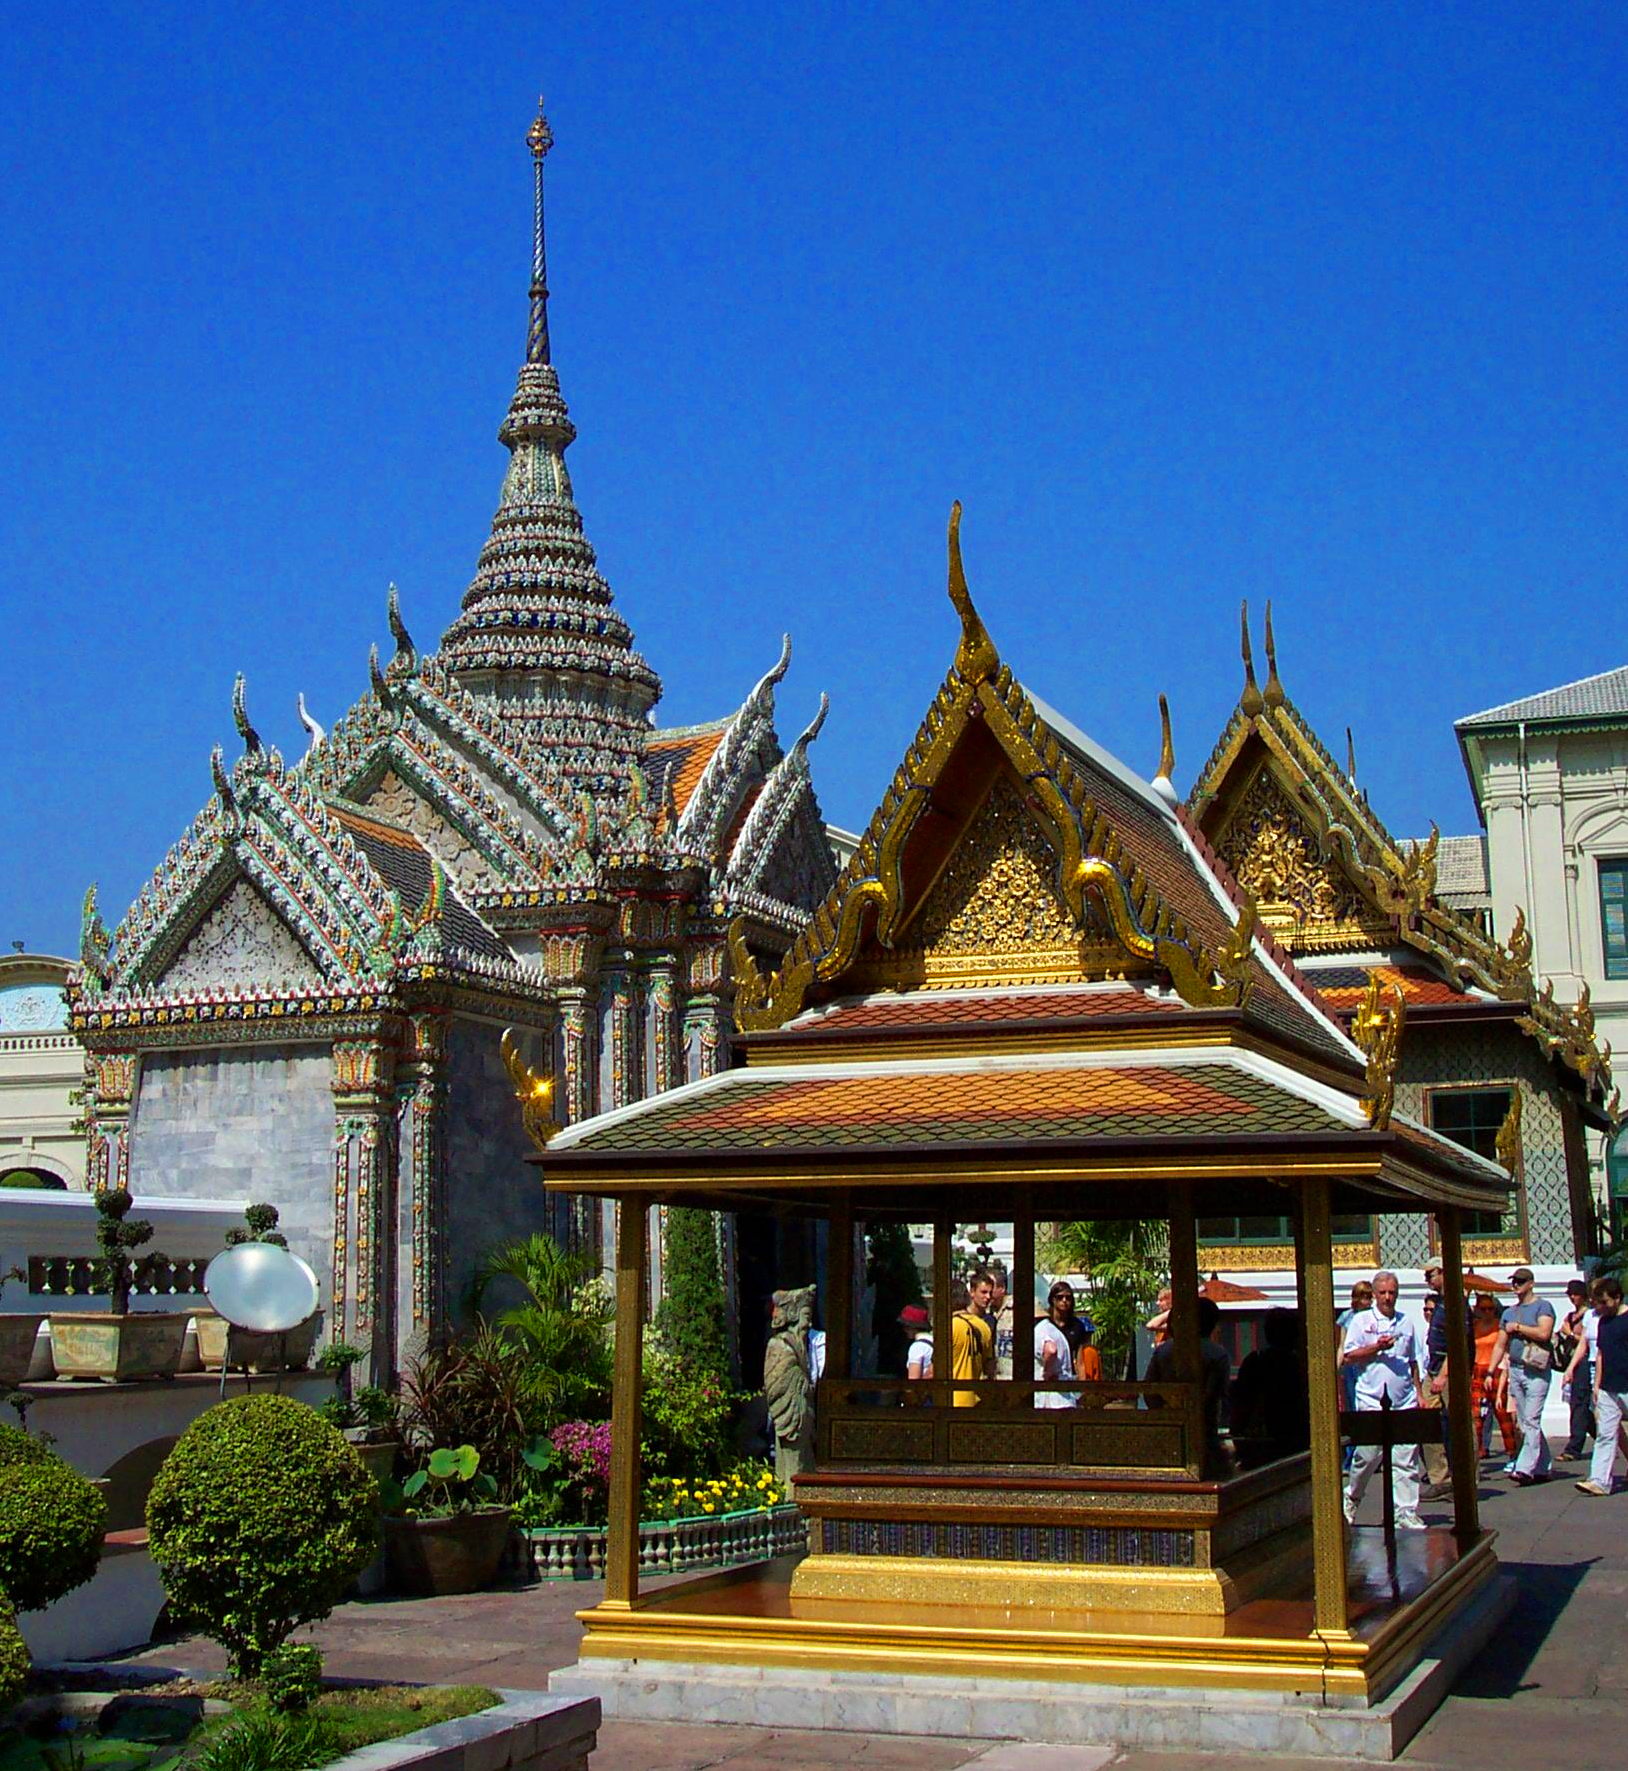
(1315, 1261)
(1461, 1435)
(1184, 1317)
(943, 1234)
(839, 1289)
(626, 1479)
(1021, 1292)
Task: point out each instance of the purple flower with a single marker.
(586, 1447)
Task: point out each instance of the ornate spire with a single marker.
(1251, 701)
(539, 138)
(539, 631)
(1163, 782)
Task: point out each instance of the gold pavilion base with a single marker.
(752, 1618)
(1050, 1541)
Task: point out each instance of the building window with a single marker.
(1237, 1232)
(1472, 1117)
(1614, 917)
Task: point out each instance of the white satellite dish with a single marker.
(261, 1287)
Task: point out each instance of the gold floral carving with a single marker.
(1277, 860)
(1507, 1146)
(1377, 1029)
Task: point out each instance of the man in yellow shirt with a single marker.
(972, 1339)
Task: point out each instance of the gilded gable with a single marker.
(1276, 857)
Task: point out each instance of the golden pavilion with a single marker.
(1037, 994)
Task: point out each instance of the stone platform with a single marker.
(1216, 1719)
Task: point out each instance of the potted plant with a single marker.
(368, 1417)
(19, 1331)
(124, 1344)
(443, 1529)
(245, 1349)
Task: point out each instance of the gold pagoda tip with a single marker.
(1251, 701)
(1274, 695)
(539, 137)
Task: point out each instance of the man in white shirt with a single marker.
(1385, 1348)
(1053, 1364)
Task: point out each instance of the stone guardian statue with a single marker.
(787, 1386)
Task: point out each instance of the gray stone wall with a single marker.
(1497, 1054)
(253, 1122)
(493, 1194)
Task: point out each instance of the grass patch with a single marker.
(146, 1731)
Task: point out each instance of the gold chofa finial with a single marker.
(1350, 757)
(534, 1093)
(1274, 695)
(539, 138)
(1251, 701)
(975, 658)
(1167, 746)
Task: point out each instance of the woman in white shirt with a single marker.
(1053, 1364)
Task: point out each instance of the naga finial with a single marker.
(975, 658)
(539, 138)
(376, 676)
(534, 1093)
(313, 728)
(1273, 694)
(1251, 700)
(240, 716)
(1350, 757)
(406, 657)
(1163, 781)
(94, 941)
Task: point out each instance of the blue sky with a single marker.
(1186, 303)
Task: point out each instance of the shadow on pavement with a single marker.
(1545, 1590)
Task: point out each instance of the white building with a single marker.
(42, 1065)
(1550, 778)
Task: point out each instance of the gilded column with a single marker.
(107, 1119)
(425, 1072)
(365, 1177)
(1316, 1260)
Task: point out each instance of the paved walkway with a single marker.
(1553, 1690)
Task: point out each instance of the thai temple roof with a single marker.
(1358, 908)
(479, 786)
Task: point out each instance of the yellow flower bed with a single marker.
(741, 1491)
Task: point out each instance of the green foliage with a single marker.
(51, 1523)
(372, 1411)
(291, 1676)
(117, 1235)
(14, 1657)
(897, 1279)
(749, 1487)
(556, 1334)
(259, 1519)
(265, 1740)
(691, 1320)
(1124, 1262)
(450, 1481)
(260, 1223)
(34, 1177)
(471, 1392)
(338, 1357)
(687, 1419)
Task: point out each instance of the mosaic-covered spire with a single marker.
(538, 631)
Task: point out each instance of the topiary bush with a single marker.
(258, 1520)
(14, 1657)
(52, 1520)
(291, 1677)
(692, 1317)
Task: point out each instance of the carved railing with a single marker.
(1113, 1428)
(79, 1275)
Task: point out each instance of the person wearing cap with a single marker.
(918, 1359)
(1526, 1335)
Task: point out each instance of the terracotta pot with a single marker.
(429, 1558)
(17, 1337)
(118, 1349)
(218, 1340)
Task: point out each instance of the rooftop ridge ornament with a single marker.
(405, 661)
(1251, 701)
(976, 659)
(539, 138)
(1273, 694)
(314, 729)
(240, 716)
(1163, 782)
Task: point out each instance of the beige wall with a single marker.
(41, 1064)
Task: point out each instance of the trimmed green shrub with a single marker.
(51, 1523)
(37, 1178)
(14, 1657)
(258, 1520)
(691, 1320)
(291, 1677)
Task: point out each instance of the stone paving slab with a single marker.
(1553, 1688)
